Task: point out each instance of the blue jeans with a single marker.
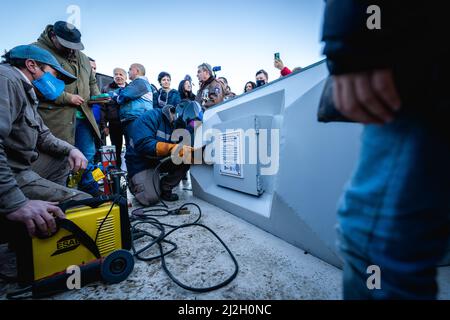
(395, 213)
(85, 140)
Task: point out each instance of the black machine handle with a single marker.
(92, 202)
(80, 235)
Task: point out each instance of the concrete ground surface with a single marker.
(269, 268)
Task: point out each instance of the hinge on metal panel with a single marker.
(259, 184)
(257, 125)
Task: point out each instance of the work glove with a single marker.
(164, 149)
(185, 153)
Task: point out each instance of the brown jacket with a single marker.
(211, 93)
(22, 136)
(59, 116)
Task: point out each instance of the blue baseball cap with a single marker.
(43, 56)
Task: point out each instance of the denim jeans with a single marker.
(85, 140)
(395, 213)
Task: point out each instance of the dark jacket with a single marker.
(59, 116)
(411, 42)
(23, 135)
(145, 132)
(161, 99)
(183, 94)
(110, 111)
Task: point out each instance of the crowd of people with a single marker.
(129, 101)
(59, 117)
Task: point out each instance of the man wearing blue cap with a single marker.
(29, 196)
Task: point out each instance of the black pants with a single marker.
(116, 134)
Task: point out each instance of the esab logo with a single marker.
(66, 244)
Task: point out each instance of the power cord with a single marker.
(149, 217)
(161, 238)
(8, 279)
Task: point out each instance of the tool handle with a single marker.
(81, 236)
(92, 202)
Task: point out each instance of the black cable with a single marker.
(156, 239)
(148, 217)
(115, 201)
(167, 213)
(161, 239)
(8, 279)
(208, 289)
(16, 295)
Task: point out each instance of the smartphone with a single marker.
(277, 56)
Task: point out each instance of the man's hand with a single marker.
(367, 97)
(106, 132)
(77, 161)
(279, 64)
(38, 214)
(76, 100)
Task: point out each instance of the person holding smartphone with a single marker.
(278, 63)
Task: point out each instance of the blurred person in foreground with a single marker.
(395, 212)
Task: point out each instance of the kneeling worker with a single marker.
(152, 138)
(29, 74)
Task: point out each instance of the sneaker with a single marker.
(169, 196)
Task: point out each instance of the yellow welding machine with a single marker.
(92, 231)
